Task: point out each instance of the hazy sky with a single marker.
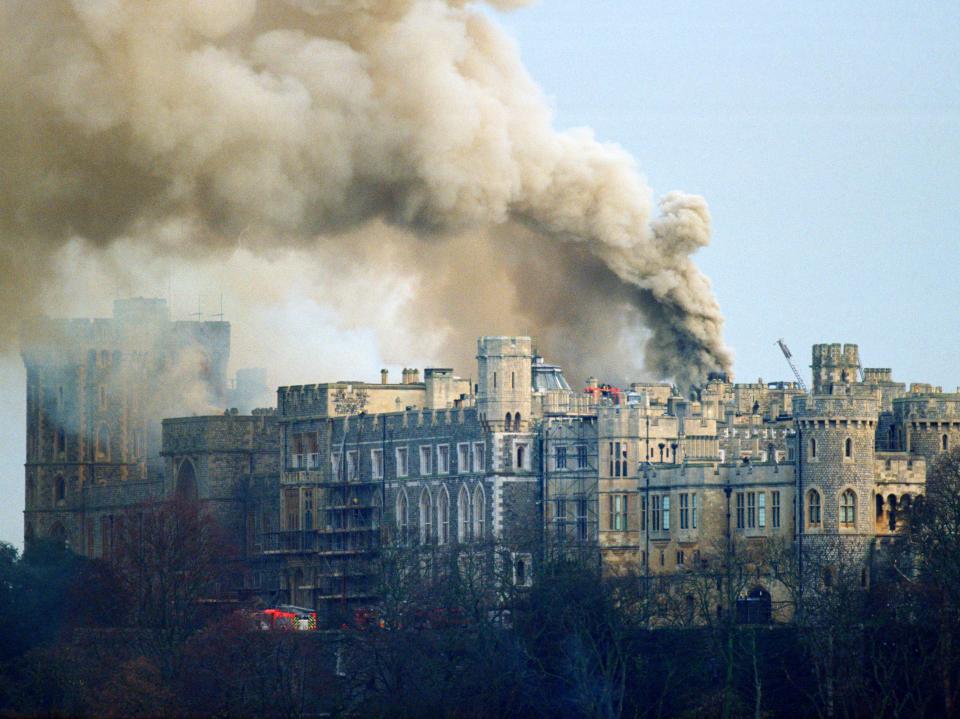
(824, 135)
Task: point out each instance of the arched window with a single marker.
(513, 380)
(103, 444)
(59, 489)
(478, 506)
(756, 608)
(521, 449)
(463, 515)
(813, 448)
(879, 507)
(506, 422)
(848, 508)
(945, 443)
(813, 508)
(187, 481)
(848, 448)
(520, 573)
(58, 532)
(443, 516)
(62, 441)
(516, 422)
(402, 522)
(426, 516)
(892, 511)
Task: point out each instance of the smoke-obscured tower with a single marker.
(96, 392)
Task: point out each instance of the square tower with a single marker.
(505, 370)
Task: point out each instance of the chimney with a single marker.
(384, 377)
(414, 376)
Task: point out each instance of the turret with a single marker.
(504, 369)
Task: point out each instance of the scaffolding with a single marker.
(570, 471)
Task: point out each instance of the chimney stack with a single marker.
(384, 377)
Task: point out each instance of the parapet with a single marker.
(505, 346)
(877, 375)
(846, 405)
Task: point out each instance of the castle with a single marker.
(508, 468)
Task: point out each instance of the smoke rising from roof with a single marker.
(403, 135)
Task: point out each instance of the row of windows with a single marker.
(563, 460)
(848, 509)
(752, 510)
(433, 459)
(847, 448)
(681, 557)
(658, 513)
(433, 518)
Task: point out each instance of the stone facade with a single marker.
(96, 392)
(518, 467)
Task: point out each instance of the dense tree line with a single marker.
(458, 635)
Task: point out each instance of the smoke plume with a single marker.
(401, 135)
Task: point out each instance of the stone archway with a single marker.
(186, 486)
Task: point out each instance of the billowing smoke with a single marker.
(403, 136)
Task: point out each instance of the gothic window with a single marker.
(478, 512)
(892, 511)
(516, 422)
(813, 448)
(506, 422)
(402, 518)
(848, 448)
(848, 509)
(443, 517)
(944, 442)
(521, 450)
(463, 514)
(102, 449)
(426, 519)
(813, 508)
(60, 489)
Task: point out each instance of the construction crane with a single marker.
(789, 356)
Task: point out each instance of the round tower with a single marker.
(503, 393)
(926, 424)
(836, 433)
